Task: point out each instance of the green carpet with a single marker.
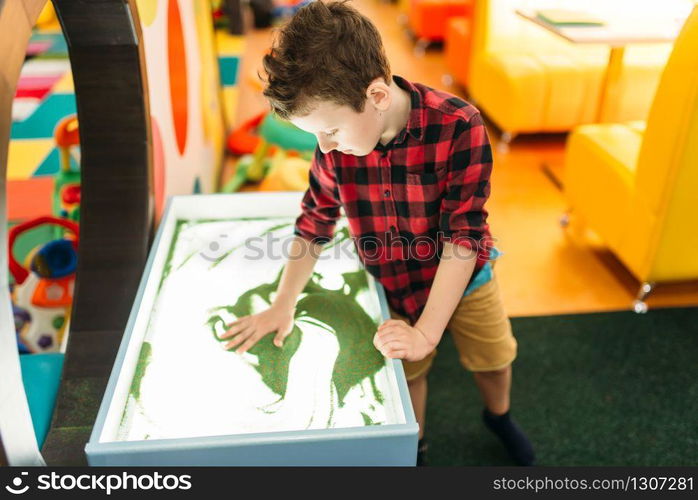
(595, 389)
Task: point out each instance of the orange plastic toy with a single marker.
(244, 139)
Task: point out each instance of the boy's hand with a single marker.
(397, 339)
(247, 330)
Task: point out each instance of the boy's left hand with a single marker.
(397, 339)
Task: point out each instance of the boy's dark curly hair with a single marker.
(327, 51)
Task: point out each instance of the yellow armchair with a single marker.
(637, 187)
(528, 80)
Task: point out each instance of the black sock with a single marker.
(422, 447)
(511, 435)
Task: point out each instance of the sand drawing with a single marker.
(326, 375)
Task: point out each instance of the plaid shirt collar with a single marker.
(415, 122)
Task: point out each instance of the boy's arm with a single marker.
(463, 223)
(463, 217)
(302, 257)
(452, 276)
(320, 205)
(397, 339)
(313, 228)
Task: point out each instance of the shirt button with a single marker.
(387, 193)
(393, 229)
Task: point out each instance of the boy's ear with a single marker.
(378, 94)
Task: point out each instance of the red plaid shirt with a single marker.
(428, 185)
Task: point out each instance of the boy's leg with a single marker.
(418, 394)
(482, 333)
(416, 374)
(495, 387)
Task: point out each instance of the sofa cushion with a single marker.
(599, 181)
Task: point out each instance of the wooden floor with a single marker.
(545, 269)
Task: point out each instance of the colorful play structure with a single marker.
(43, 286)
(42, 298)
(66, 194)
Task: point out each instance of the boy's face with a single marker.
(342, 128)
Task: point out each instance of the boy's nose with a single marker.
(325, 145)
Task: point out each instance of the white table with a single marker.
(617, 32)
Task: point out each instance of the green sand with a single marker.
(335, 311)
(357, 359)
(143, 361)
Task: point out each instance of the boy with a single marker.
(409, 165)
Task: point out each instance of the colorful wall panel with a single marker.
(230, 47)
(184, 93)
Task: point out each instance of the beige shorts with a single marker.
(481, 331)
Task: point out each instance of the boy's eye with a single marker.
(330, 134)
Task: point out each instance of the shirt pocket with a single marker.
(424, 192)
(426, 187)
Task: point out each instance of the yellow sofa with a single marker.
(637, 187)
(529, 80)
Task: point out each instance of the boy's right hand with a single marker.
(246, 331)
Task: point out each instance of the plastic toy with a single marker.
(286, 135)
(272, 135)
(66, 194)
(21, 318)
(243, 140)
(286, 173)
(43, 290)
